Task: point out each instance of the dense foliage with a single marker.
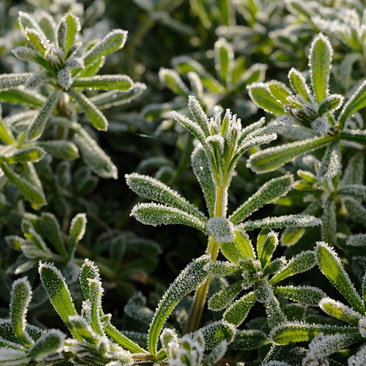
(238, 127)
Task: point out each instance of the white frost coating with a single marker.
(43, 346)
(64, 78)
(74, 63)
(321, 125)
(24, 53)
(338, 310)
(151, 188)
(216, 140)
(221, 268)
(359, 358)
(198, 113)
(221, 229)
(362, 327)
(358, 240)
(296, 76)
(9, 81)
(281, 221)
(331, 163)
(193, 127)
(156, 214)
(13, 357)
(216, 332)
(172, 80)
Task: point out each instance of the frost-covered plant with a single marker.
(314, 109)
(63, 68)
(331, 338)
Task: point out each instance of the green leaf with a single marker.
(198, 114)
(269, 246)
(354, 104)
(50, 342)
(104, 82)
(173, 81)
(354, 190)
(331, 266)
(60, 149)
(150, 188)
(112, 42)
(239, 310)
(301, 332)
(5, 133)
(248, 339)
(354, 172)
(222, 299)
(298, 83)
(31, 153)
(26, 97)
(94, 157)
(275, 315)
(224, 57)
(221, 229)
(191, 278)
(51, 230)
(274, 157)
(331, 163)
(95, 116)
(280, 222)
(217, 332)
(72, 27)
(330, 103)
(329, 220)
(279, 91)
(269, 192)
(261, 96)
(88, 271)
(34, 37)
(58, 293)
(339, 311)
(80, 325)
(301, 262)
(38, 125)
(156, 214)
(306, 295)
(243, 243)
(96, 292)
(77, 231)
(29, 190)
(358, 136)
(202, 170)
(222, 268)
(10, 81)
(21, 295)
(320, 60)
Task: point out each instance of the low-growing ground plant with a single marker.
(236, 242)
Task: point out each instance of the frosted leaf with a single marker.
(88, 271)
(354, 190)
(321, 125)
(358, 240)
(222, 269)
(74, 63)
(156, 214)
(76, 232)
(173, 81)
(332, 103)
(198, 114)
(94, 157)
(13, 357)
(216, 354)
(168, 336)
(82, 327)
(260, 95)
(105, 82)
(112, 42)
(192, 277)
(270, 191)
(221, 229)
(354, 172)
(222, 299)
(21, 295)
(217, 143)
(275, 316)
(256, 141)
(339, 311)
(322, 346)
(362, 327)
(281, 221)
(50, 342)
(38, 124)
(301, 262)
(251, 128)
(320, 60)
(202, 170)
(359, 358)
(298, 84)
(331, 266)
(9, 81)
(25, 53)
(329, 222)
(64, 78)
(331, 163)
(239, 310)
(262, 291)
(306, 295)
(150, 188)
(27, 21)
(216, 332)
(96, 293)
(36, 80)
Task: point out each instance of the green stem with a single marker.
(213, 246)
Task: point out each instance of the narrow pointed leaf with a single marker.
(31, 153)
(217, 332)
(156, 214)
(192, 277)
(26, 97)
(104, 82)
(248, 339)
(331, 163)
(50, 342)
(275, 315)
(269, 192)
(332, 268)
(52, 231)
(298, 83)
(222, 299)
(173, 81)
(243, 243)
(261, 96)
(329, 222)
(72, 26)
(354, 190)
(270, 159)
(198, 114)
(306, 295)
(358, 136)
(339, 311)
(269, 246)
(9, 81)
(239, 310)
(5, 133)
(320, 60)
(150, 188)
(302, 262)
(96, 292)
(64, 150)
(224, 57)
(77, 231)
(279, 91)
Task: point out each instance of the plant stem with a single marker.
(212, 251)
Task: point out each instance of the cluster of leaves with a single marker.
(306, 187)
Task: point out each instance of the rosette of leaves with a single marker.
(327, 339)
(316, 113)
(226, 87)
(22, 343)
(222, 141)
(259, 270)
(64, 69)
(94, 339)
